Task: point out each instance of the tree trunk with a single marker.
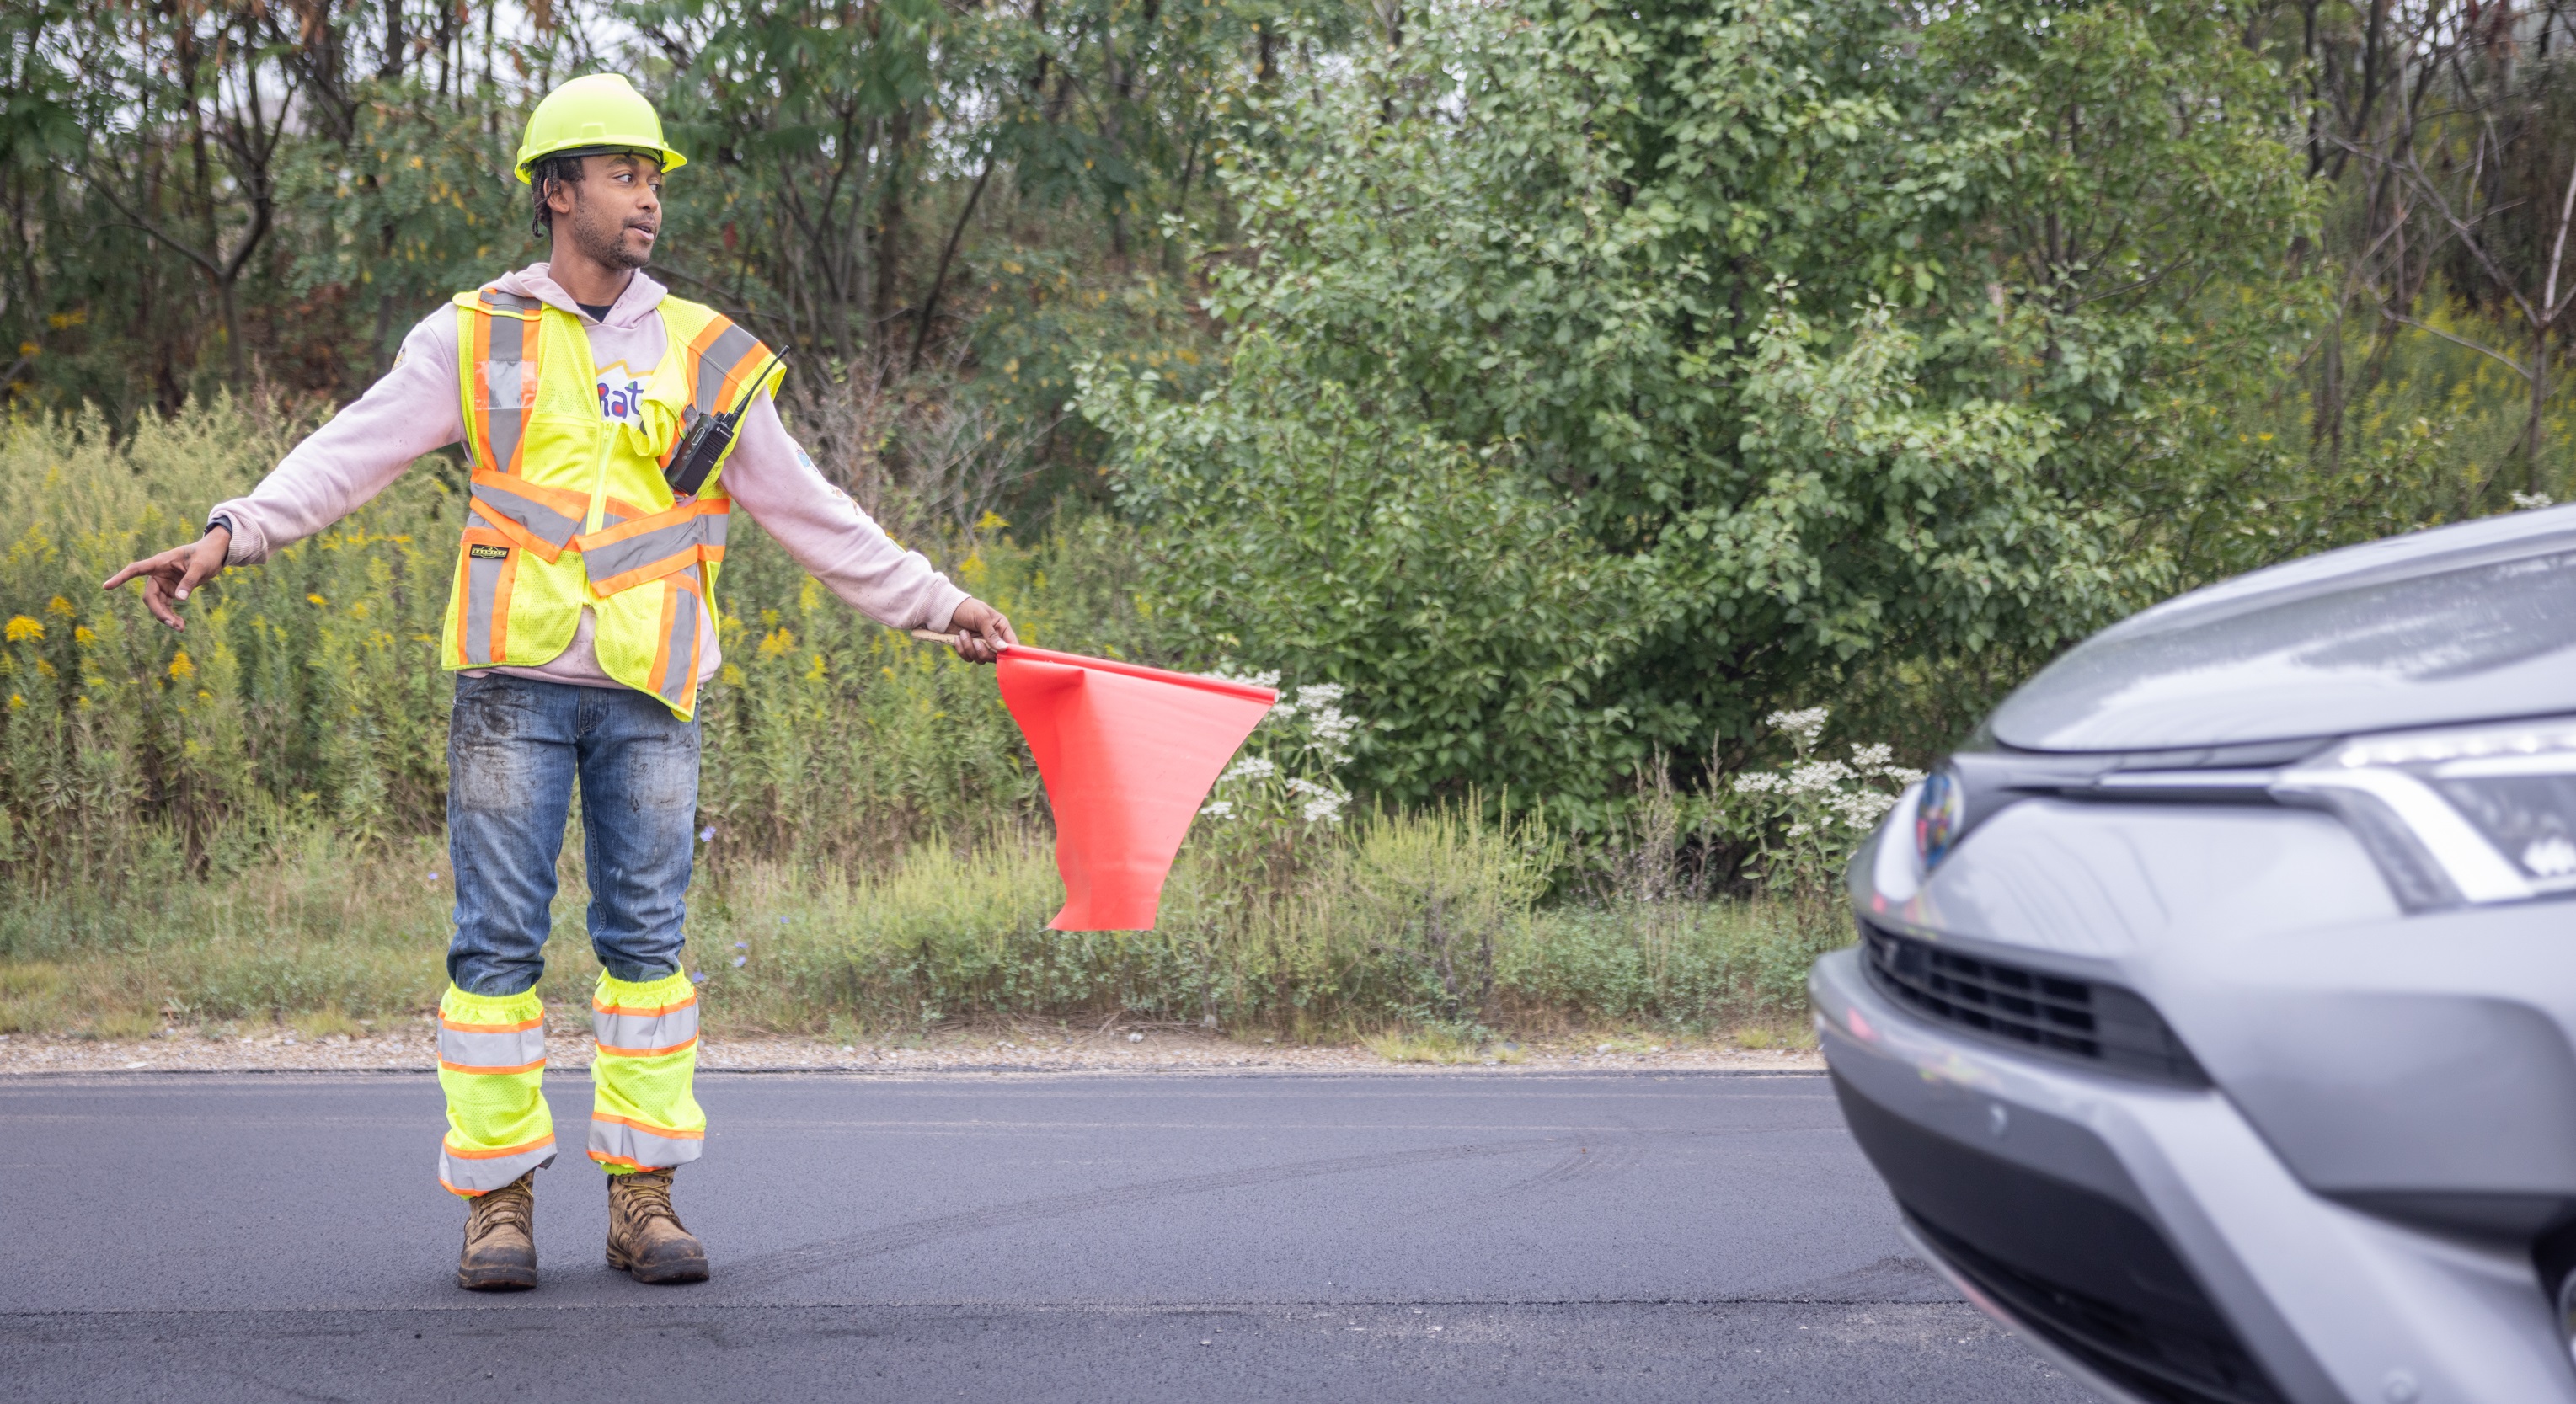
(2533, 435)
(2326, 429)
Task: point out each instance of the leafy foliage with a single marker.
(1610, 376)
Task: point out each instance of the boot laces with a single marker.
(507, 1206)
(648, 1196)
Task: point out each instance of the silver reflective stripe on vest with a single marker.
(541, 521)
(644, 548)
(509, 1051)
(473, 1176)
(482, 584)
(681, 676)
(505, 392)
(731, 346)
(643, 1033)
(509, 302)
(616, 1141)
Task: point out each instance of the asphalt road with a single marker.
(1010, 1238)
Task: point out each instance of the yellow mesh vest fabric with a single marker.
(644, 1112)
(570, 511)
(491, 1064)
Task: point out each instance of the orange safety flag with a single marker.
(1128, 754)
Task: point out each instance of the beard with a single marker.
(602, 237)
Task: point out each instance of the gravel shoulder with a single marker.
(412, 1048)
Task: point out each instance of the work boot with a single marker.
(501, 1239)
(645, 1239)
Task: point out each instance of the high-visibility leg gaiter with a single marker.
(643, 1114)
(492, 1065)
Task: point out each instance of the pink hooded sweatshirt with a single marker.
(416, 409)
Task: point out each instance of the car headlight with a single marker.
(2474, 814)
(1940, 816)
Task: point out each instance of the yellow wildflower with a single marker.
(20, 628)
(317, 599)
(59, 605)
(17, 701)
(778, 642)
(180, 667)
(81, 635)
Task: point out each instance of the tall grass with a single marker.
(244, 821)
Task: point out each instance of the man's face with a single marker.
(614, 212)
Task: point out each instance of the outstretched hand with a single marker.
(980, 632)
(168, 577)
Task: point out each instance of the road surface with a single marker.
(1009, 1238)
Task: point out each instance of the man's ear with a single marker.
(560, 196)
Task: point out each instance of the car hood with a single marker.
(2462, 623)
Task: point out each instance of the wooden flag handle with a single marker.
(934, 636)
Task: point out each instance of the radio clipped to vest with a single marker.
(704, 445)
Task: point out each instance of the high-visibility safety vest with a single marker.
(571, 508)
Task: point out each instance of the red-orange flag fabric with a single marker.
(1128, 755)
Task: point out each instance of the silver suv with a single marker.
(2211, 1018)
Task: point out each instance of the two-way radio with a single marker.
(703, 447)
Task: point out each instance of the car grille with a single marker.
(2083, 1021)
(2153, 1360)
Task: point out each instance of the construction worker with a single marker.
(580, 629)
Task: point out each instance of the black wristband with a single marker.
(219, 521)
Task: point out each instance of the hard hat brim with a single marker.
(671, 160)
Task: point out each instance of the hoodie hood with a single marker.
(641, 296)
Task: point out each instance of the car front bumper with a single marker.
(2147, 1237)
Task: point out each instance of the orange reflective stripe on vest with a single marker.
(490, 570)
(543, 519)
(505, 355)
(674, 675)
(631, 553)
(722, 361)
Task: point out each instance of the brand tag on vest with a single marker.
(490, 553)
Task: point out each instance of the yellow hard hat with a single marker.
(596, 113)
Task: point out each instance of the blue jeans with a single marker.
(514, 749)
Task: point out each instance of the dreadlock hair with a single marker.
(541, 179)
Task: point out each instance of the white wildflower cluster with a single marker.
(1804, 727)
(1818, 806)
(1297, 754)
(2531, 501)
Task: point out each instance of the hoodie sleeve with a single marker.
(342, 466)
(774, 480)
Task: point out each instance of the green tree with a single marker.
(1746, 343)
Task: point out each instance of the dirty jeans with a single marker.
(515, 747)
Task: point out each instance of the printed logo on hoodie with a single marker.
(621, 394)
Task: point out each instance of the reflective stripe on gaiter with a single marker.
(630, 1144)
(491, 1065)
(492, 1048)
(471, 1173)
(644, 1030)
(644, 1114)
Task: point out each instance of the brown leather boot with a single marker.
(645, 1239)
(501, 1239)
